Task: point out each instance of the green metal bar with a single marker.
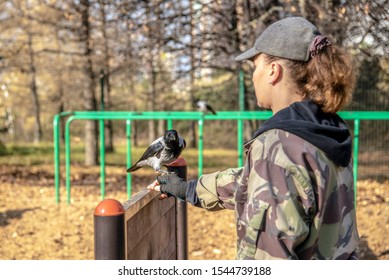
(365, 115)
(57, 152)
(57, 173)
(169, 124)
(240, 143)
(200, 147)
(355, 162)
(67, 157)
(221, 115)
(102, 137)
(129, 177)
(170, 116)
(102, 159)
(240, 122)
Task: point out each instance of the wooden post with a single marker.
(179, 166)
(109, 230)
(144, 227)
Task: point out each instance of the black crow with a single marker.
(162, 151)
(203, 106)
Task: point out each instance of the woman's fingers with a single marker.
(154, 186)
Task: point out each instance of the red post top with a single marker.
(109, 207)
(178, 162)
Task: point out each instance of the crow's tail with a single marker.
(133, 168)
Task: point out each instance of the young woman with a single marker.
(294, 197)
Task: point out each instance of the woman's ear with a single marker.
(275, 73)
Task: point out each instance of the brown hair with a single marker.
(328, 78)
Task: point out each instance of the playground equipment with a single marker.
(239, 116)
(143, 227)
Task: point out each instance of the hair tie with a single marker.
(319, 43)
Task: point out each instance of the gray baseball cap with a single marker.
(289, 38)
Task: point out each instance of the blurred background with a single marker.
(158, 55)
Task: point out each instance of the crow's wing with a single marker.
(209, 108)
(153, 150)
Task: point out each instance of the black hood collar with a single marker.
(326, 131)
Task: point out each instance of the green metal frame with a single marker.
(239, 116)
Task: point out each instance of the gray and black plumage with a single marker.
(161, 151)
(203, 106)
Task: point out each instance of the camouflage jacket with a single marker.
(290, 200)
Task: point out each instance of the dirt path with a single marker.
(33, 226)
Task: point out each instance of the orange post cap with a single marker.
(109, 207)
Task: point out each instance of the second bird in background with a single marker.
(203, 106)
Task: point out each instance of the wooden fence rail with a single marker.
(142, 228)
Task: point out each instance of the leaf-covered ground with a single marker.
(33, 226)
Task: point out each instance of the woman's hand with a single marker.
(170, 185)
(155, 186)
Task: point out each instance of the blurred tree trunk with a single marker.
(109, 147)
(34, 91)
(244, 38)
(150, 57)
(89, 97)
(58, 96)
(151, 100)
(130, 69)
(93, 34)
(192, 140)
